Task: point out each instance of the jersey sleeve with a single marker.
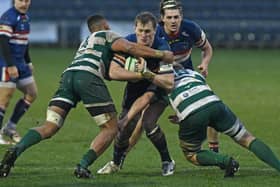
(197, 34)
(111, 37)
(6, 24)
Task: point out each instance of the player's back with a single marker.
(190, 93)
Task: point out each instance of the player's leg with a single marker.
(156, 135)
(7, 88)
(239, 134)
(23, 104)
(26, 84)
(136, 135)
(121, 145)
(57, 111)
(98, 102)
(213, 139)
(54, 120)
(192, 132)
(100, 143)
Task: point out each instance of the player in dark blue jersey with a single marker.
(182, 35)
(145, 29)
(15, 66)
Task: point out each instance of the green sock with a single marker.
(263, 152)
(31, 137)
(88, 158)
(211, 158)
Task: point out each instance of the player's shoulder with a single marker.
(10, 15)
(189, 24)
(160, 43)
(131, 37)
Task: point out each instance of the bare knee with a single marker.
(246, 139)
(30, 97)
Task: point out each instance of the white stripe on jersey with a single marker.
(6, 30)
(62, 99)
(184, 81)
(21, 41)
(99, 104)
(188, 93)
(86, 68)
(196, 105)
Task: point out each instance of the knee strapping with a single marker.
(55, 118)
(104, 118)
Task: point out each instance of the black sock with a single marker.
(2, 113)
(158, 139)
(20, 108)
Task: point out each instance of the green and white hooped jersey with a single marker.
(190, 93)
(94, 54)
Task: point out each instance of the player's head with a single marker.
(97, 23)
(145, 28)
(171, 15)
(22, 5)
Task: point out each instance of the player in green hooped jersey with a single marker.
(83, 80)
(197, 107)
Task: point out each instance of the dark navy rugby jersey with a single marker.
(16, 26)
(190, 34)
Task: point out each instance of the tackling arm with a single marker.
(123, 45)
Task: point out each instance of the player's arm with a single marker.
(27, 58)
(5, 50)
(134, 49)
(165, 81)
(138, 106)
(164, 78)
(7, 56)
(117, 71)
(206, 55)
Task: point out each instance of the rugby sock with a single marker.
(263, 152)
(30, 138)
(2, 113)
(158, 139)
(211, 158)
(119, 154)
(88, 158)
(214, 146)
(20, 108)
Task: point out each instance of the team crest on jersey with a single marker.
(185, 34)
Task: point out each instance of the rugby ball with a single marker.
(131, 64)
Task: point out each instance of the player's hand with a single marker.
(13, 72)
(203, 68)
(173, 119)
(168, 56)
(147, 74)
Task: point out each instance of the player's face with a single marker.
(172, 20)
(22, 5)
(145, 33)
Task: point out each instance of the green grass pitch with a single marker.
(247, 80)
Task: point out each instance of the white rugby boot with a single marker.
(109, 168)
